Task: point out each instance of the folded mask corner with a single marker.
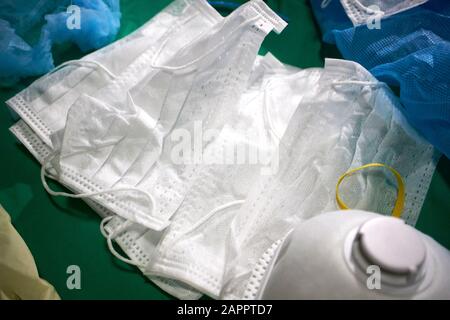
(277, 22)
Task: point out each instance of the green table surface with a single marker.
(61, 232)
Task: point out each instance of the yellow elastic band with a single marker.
(399, 203)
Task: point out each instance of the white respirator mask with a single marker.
(352, 254)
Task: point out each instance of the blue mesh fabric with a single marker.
(411, 51)
(330, 16)
(424, 81)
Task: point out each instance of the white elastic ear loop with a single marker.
(88, 194)
(366, 9)
(207, 53)
(131, 100)
(212, 213)
(103, 223)
(110, 236)
(325, 3)
(88, 63)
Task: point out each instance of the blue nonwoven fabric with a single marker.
(18, 59)
(99, 24)
(411, 50)
(29, 28)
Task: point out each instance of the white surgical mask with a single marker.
(139, 243)
(363, 11)
(347, 120)
(118, 66)
(44, 104)
(109, 154)
(194, 17)
(192, 249)
(269, 82)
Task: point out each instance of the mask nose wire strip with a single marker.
(110, 236)
(399, 203)
(207, 53)
(89, 194)
(88, 63)
(362, 83)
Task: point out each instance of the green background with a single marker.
(61, 231)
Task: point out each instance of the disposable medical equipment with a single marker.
(353, 254)
(116, 68)
(122, 156)
(347, 120)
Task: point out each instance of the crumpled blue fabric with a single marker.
(24, 15)
(100, 21)
(29, 28)
(411, 51)
(18, 59)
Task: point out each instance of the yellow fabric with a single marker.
(399, 203)
(19, 278)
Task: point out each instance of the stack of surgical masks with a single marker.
(200, 155)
